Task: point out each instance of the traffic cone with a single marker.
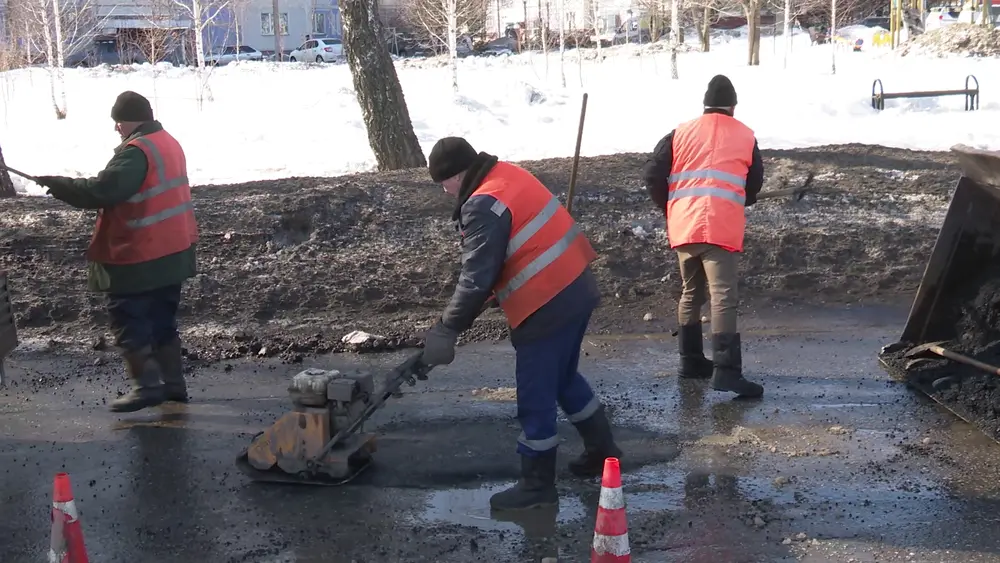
(66, 545)
(611, 528)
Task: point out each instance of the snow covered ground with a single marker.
(270, 121)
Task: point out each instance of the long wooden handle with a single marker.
(965, 360)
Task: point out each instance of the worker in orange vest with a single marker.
(521, 247)
(142, 249)
(702, 175)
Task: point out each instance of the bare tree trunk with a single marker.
(276, 25)
(675, 36)
(452, 9)
(56, 87)
(833, 36)
(753, 30)
(597, 31)
(545, 35)
(6, 185)
(787, 31)
(706, 28)
(383, 106)
(562, 41)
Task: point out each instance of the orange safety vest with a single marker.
(707, 184)
(546, 251)
(155, 222)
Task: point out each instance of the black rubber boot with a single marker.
(535, 489)
(598, 445)
(728, 359)
(169, 357)
(694, 364)
(147, 391)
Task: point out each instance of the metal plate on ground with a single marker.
(276, 475)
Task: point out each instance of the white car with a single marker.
(941, 16)
(230, 54)
(323, 50)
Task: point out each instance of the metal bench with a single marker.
(8, 328)
(971, 94)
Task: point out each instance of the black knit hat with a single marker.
(130, 106)
(450, 156)
(720, 93)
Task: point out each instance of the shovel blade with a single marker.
(922, 349)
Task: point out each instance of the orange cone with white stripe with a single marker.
(66, 544)
(611, 529)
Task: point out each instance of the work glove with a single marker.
(47, 181)
(439, 345)
(53, 183)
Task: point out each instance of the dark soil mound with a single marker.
(290, 266)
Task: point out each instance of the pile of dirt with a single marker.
(974, 310)
(964, 39)
(289, 267)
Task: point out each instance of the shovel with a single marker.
(21, 174)
(936, 348)
(796, 193)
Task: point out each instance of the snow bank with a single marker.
(963, 39)
(268, 121)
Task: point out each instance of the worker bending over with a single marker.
(520, 245)
(702, 175)
(142, 249)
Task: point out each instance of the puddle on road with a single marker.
(471, 507)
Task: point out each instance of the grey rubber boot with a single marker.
(535, 489)
(170, 359)
(147, 391)
(728, 359)
(690, 345)
(598, 445)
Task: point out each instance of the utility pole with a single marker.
(276, 26)
(499, 31)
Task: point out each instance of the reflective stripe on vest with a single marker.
(703, 190)
(163, 185)
(543, 260)
(546, 250)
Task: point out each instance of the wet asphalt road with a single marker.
(836, 463)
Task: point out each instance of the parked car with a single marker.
(322, 50)
(941, 16)
(232, 53)
(104, 50)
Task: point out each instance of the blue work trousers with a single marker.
(144, 319)
(547, 376)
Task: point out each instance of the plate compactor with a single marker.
(319, 442)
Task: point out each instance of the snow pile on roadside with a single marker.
(963, 39)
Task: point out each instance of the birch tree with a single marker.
(787, 32)
(376, 86)
(833, 36)
(562, 41)
(596, 24)
(751, 9)
(675, 36)
(63, 29)
(441, 21)
(202, 14)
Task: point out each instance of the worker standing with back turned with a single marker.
(520, 245)
(702, 175)
(142, 249)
